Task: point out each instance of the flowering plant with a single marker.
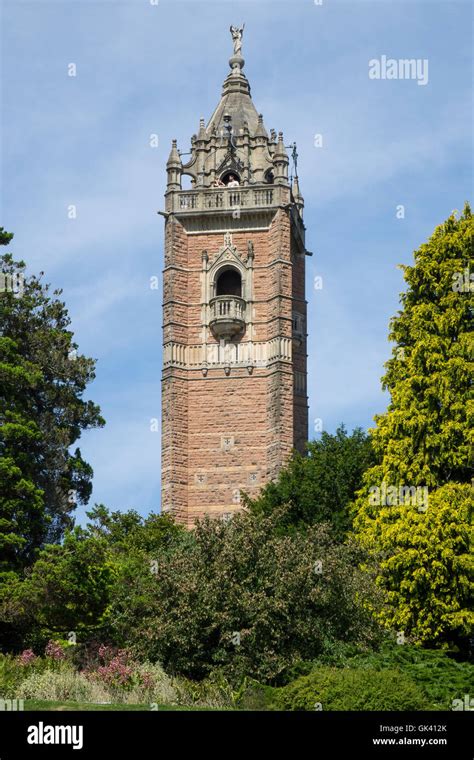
(27, 657)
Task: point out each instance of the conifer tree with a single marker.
(42, 414)
(414, 511)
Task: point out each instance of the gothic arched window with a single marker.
(229, 283)
(226, 177)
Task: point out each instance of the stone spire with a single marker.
(235, 140)
(235, 101)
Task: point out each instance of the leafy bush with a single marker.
(255, 696)
(214, 691)
(14, 670)
(238, 597)
(437, 674)
(64, 684)
(128, 681)
(351, 689)
(149, 684)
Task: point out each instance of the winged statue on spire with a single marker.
(237, 33)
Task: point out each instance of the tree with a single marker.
(42, 414)
(410, 512)
(237, 596)
(320, 486)
(128, 532)
(66, 589)
(429, 566)
(69, 585)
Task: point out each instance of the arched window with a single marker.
(187, 181)
(226, 177)
(229, 283)
(269, 177)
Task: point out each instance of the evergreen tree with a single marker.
(414, 511)
(42, 414)
(320, 486)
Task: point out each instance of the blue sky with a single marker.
(147, 69)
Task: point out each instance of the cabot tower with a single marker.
(234, 401)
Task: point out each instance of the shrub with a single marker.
(11, 675)
(435, 672)
(238, 598)
(214, 691)
(254, 696)
(155, 685)
(127, 681)
(54, 651)
(319, 486)
(351, 689)
(62, 685)
(14, 670)
(27, 657)
(151, 684)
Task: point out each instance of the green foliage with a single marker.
(239, 597)
(42, 414)
(320, 486)
(12, 673)
(426, 434)
(436, 673)
(5, 237)
(215, 691)
(424, 441)
(128, 532)
(427, 573)
(351, 689)
(68, 587)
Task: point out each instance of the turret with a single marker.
(174, 168)
(297, 197)
(280, 160)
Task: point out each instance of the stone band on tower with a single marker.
(234, 401)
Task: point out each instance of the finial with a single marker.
(174, 157)
(260, 131)
(202, 129)
(280, 149)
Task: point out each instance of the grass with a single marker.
(38, 704)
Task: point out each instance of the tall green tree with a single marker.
(42, 415)
(414, 511)
(320, 486)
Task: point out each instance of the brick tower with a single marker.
(234, 401)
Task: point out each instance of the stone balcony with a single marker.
(242, 198)
(227, 317)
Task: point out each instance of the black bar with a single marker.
(317, 734)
